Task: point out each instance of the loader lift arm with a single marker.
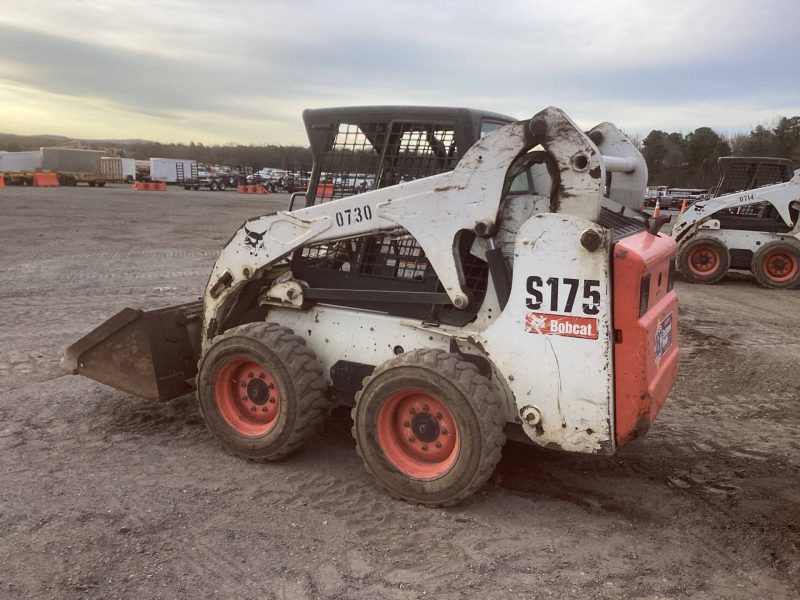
(433, 210)
(784, 197)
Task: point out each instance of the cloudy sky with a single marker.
(242, 71)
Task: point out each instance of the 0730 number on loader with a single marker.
(497, 278)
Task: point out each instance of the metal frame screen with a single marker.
(368, 156)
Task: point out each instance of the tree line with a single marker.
(690, 161)
(673, 159)
(237, 155)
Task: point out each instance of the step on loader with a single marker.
(751, 223)
(456, 277)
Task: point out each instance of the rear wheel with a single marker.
(429, 427)
(777, 265)
(703, 260)
(261, 391)
(214, 186)
(222, 186)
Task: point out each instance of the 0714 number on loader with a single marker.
(520, 291)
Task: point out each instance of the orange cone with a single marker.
(657, 211)
(683, 206)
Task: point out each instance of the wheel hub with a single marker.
(246, 397)
(417, 433)
(704, 261)
(779, 265)
(425, 427)
(258, 391)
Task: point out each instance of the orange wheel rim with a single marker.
(417, 434)
(247, 397)
(781, 266)
(704, 260)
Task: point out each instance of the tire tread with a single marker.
(489, 411)
(305, 374)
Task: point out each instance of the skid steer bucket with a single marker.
(150, 354)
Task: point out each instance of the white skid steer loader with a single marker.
(520, 291)
(752, 224)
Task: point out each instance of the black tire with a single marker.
(187, 187)
(92, 183)
(101, 184)
(470, 403)
(703, 260)
(777, 265)
(294, 373)
(222, 186)
(195, 187)
(213, 186)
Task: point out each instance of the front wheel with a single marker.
(777, 265)
(261, 391)
(429, 427)
(703, 260)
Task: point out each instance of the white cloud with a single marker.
(244, 70)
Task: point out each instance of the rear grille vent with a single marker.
(671, 280)
(644, 295)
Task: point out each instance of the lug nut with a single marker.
(272, 400)
(424, 448)
(253, 408)
(244, 384)
(444, 431)
(411, 438)
(250, 374)
(406, 424)
(425, 407)
(264, 409)
(439, 416)
(438, 444)
(261, 375)
(412, 410)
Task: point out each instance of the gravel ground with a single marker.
(106, 496)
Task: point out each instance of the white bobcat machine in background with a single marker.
(751, 224)
(520, 291)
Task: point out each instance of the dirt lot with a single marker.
(105, 496)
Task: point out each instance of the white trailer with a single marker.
(20, 162)
(166, 169)
(74, 165)
(128, 169)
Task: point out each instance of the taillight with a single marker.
(644, 294)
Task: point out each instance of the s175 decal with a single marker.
(561, 294)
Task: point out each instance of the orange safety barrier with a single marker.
(251, 189)
(150, 186)
(2, 182)
(325, 190)
(45, 180)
